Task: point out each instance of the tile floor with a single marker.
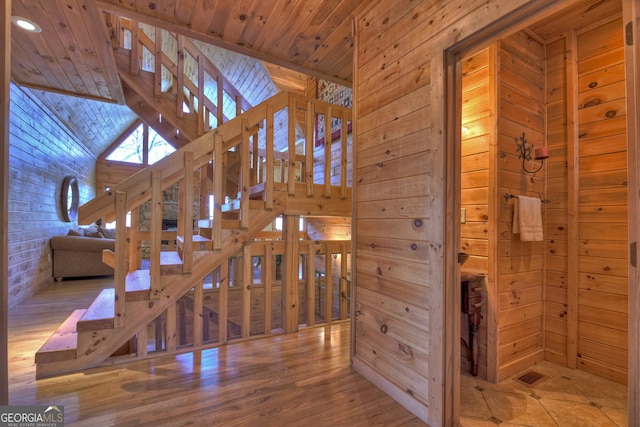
(565, 397)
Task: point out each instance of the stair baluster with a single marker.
(267, 278)
(269, 167)
(223, 303)
(247, 281)
(186, 213)
(218, 195)
(245, 175)
(291, 179)
(327, 153)
(155, 241)
(121, 269)
(310, 117)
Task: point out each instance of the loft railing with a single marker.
(199, 87)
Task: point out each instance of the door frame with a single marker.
(520, 18)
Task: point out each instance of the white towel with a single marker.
(527, 219)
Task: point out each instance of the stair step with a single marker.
(100, 313)
(200, 243)
(138, 285)
(63, 343)
(170, 263)
(234, 205)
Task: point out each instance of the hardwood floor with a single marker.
(302, 379)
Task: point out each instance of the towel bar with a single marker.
(508, 196)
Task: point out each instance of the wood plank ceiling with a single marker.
(72, 54)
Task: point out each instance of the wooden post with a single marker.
(328, 285)
(344, 284)
(223, 303)
(134, 60)
(198, 303)
(157, 77)
(267, 274)
(327, 154)
(247, 276)
(573, 179)
(218, 197)
(311, 284)
(631, 16)
(155, 239)
(245, 167)
(180, 76)
(187, 213)
(120, 273)
(310, 145)
(220, 101)
(255, 173)
(5, 77)
(268, 191)
(204, 191)
(291, 179)
(201, 109)
(171, 329)
(134, 241)
(343, 153)
(290, 273)
(142, 338)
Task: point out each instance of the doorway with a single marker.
(567, 294)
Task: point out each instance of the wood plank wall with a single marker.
(5, 78)
(520, 264)
(602, 342)
(478, 129)
(401, 211)
(42, 153)
(556, 226)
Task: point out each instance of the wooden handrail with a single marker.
(138, 186)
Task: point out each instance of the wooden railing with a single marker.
(241, 299)
(243, 135)
(199, 87)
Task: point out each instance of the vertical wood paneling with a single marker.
(631, 11)
(602, 193)
(520, 110)
(557, 191)
(478, 133)
(41, 154)
(400, 113)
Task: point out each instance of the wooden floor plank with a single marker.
(302, 379)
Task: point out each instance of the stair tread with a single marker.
(62, 344)
(138, 280)
(196, 239)
(100, 313)
(170, 258)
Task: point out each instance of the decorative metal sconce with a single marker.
(524, 153)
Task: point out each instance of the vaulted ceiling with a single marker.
(72, 55)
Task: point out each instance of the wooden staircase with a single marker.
(269, 184)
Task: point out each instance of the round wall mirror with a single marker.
(70, 198)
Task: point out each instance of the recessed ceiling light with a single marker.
(26, 24)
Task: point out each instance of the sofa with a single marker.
(79, 254)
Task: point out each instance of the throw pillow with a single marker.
(73, 232)
(108, 233)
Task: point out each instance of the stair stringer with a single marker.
(165, 104)
(95, 347)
